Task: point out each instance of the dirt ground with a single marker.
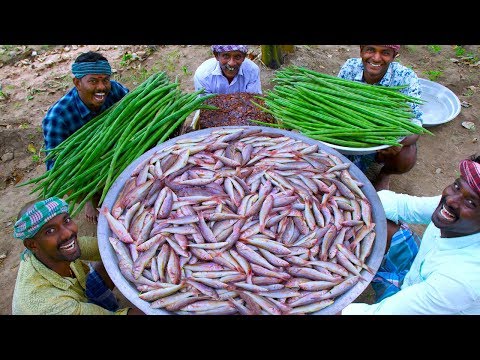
(33, 77)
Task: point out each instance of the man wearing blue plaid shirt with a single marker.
(93, 93)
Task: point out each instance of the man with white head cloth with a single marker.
(230, 71)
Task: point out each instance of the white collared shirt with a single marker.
(445, 275)
(209, 76)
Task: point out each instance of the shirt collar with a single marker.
(57, 280)
(457, 242)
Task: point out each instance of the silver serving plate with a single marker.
(441, 106)
(355, 151)
(110, 260)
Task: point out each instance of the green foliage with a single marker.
(126, 59)
(459, 50)
(472, 57)
(135, 77)
(3, 95)
(434, 48)
(171, 60)
(433, 75)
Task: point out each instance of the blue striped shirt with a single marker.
(397, 74)
(69, 114)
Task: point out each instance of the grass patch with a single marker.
(433, 75)
(434, 48)
(459, 50)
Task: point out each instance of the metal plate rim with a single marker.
(442, 89)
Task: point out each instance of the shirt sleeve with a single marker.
(438, 295)
(200, 84)
(347, 70)
(118, 90)
(414, 90)
(407, 208)
(254, 85)
(63, 304)
(53, 132)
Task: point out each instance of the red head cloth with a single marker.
(470, 171)
(396, 48)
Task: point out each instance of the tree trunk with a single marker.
(272, 56)
(287, 49)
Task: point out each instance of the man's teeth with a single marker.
(68, 246)
(446, 214)
(375, 65)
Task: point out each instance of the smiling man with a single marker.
(376, 66)
(94, 92)
(52, 279)
(230, 71)
(442, 278)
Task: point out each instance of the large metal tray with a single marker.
(441, 106)
(110, 260)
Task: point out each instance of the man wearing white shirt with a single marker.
(230, 71)
(444, 275)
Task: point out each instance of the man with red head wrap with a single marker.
(376, 66)
(442, 278)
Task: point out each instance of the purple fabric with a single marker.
(225, 48)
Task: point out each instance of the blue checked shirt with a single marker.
(209, 76)
(69, 114)
(396, 75)
(443, 278)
